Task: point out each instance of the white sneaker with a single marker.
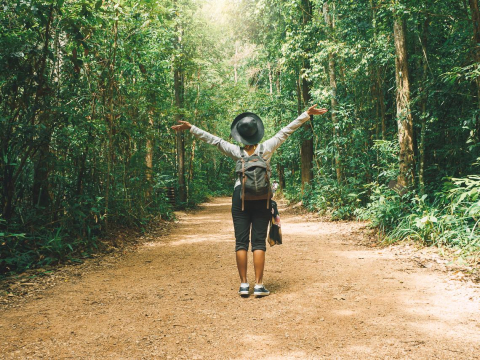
(260, 291)
(244, 290)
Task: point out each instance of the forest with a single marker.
(89, 91)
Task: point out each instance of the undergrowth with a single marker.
(448, 217)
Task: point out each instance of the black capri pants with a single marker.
(255, 217)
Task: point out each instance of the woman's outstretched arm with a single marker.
(225, 147)
(273, 143)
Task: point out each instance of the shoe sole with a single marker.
(261, 294)
(243, 293)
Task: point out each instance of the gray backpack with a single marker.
(254, 174)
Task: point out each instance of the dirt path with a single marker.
(176, 298)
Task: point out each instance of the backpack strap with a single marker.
(260, 150)
(243, 184)
(268, 195)
(260, 153)
(242, 150)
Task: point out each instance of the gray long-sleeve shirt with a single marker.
(268, 147)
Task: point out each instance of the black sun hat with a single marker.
(247, 128)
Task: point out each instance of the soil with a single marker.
(334, 295)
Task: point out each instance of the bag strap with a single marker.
(243, 183)
(260, 153)
(268, 195)
(242, 150)
(260, 150)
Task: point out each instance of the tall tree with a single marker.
(476, 39)
(179, 90)
(42, 166)
(328, 8)
(306, 150)
(423, 104)
(404, 115)
(110, 95)
(149, 154)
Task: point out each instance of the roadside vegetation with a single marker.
(89, 90)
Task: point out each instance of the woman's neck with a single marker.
(250, 149)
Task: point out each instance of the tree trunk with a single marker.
(40, 189)
(192, 158)
(277, 81)
(82, 168)
(8, 194)
(333, 91)
(179, 89)
(423, 107)
(192, 152)
(149, 155)
(299, 93)
(306, 151)
(380, 98)
(404, 115)
(235, 63)
(375, 92)
(110, 118)
(270, 78)
(280, 165)
(476, 38)
(333, 112)
(10, 181)
(179, 137)
(281, 177)
(381, 102)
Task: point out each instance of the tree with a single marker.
(404, 115)
(333, 85)
(306, 150)
(476, 39)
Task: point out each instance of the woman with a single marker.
(247, 128)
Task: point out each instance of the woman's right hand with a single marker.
(183, 125)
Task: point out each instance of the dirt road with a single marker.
(176, 298)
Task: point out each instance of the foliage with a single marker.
(328, 198)
(88, 95)
(86, 99)
(452, 220)
(384, 208)
(363, 140)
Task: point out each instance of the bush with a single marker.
(385, 208)
(452, 219)
(339, 201)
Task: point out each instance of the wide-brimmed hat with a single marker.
(247, 128)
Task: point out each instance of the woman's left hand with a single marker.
(313, 111)
(183, 125)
